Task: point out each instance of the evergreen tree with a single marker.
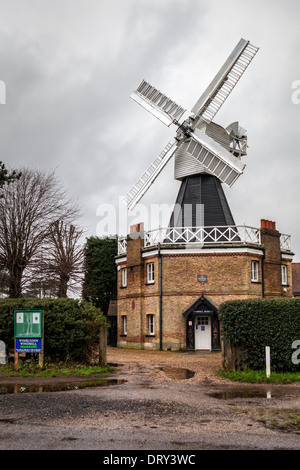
(6, 177)
(100, 278)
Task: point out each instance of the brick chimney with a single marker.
(137, 228)
(270, 238)
(135, 243)
(264, 223)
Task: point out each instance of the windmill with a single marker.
(206, 154)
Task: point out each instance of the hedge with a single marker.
(250, 325)
(71, 327)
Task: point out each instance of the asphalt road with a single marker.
(151, 411)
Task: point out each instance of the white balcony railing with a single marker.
(285, 242)
(203, 236)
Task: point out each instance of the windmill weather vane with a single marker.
(201, 148)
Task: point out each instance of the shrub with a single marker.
(71, 327)
(250, 325)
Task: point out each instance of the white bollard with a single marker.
(2, 352)
(268, 361)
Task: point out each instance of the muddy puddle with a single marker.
(177, 373)
(61, 387)
(251, 393)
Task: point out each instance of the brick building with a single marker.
(296, 279)
(171, 283)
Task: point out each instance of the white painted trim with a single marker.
(254, 270)
(150, 273)
(287, 257)
(201, 251)
(150, 253)
(252, 251)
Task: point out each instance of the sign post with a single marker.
(2, 352)
(16, 359)
(268, 361)
(28, 332)
(41, 354)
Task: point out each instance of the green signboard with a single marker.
(28, 323)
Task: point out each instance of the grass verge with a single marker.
(30, 368)
(283, 420)
(259, 376)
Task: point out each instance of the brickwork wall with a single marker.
(272, 263)
(272, 266)
(228, 278)
(227, 274)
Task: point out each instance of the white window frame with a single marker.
(151, 324)
(124, 277)
(284, 278)
(254, 270)
(124, 325)
(150, 273)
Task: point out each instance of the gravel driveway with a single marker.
(153, 409)
(204, 364)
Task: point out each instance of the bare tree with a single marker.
(63, 258)
(27, 210)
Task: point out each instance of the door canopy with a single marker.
(202, 306)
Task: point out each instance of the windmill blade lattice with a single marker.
(214, 158)
(201, 147)
(222, 85)
(145, 181)
(162, 107)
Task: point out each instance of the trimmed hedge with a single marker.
(250, 325)
(71, 327)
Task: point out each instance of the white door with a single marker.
(202, 332)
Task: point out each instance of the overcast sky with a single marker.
(69, 67)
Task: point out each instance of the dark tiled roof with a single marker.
(206, 190)
(112, 309)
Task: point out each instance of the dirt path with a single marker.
(204, 365)
(151, 408)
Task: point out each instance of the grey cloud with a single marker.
(70, 67)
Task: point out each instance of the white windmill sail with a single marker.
(214, 158)
(157, 103)
(222, 85)
(197, 152)
(145, 181)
